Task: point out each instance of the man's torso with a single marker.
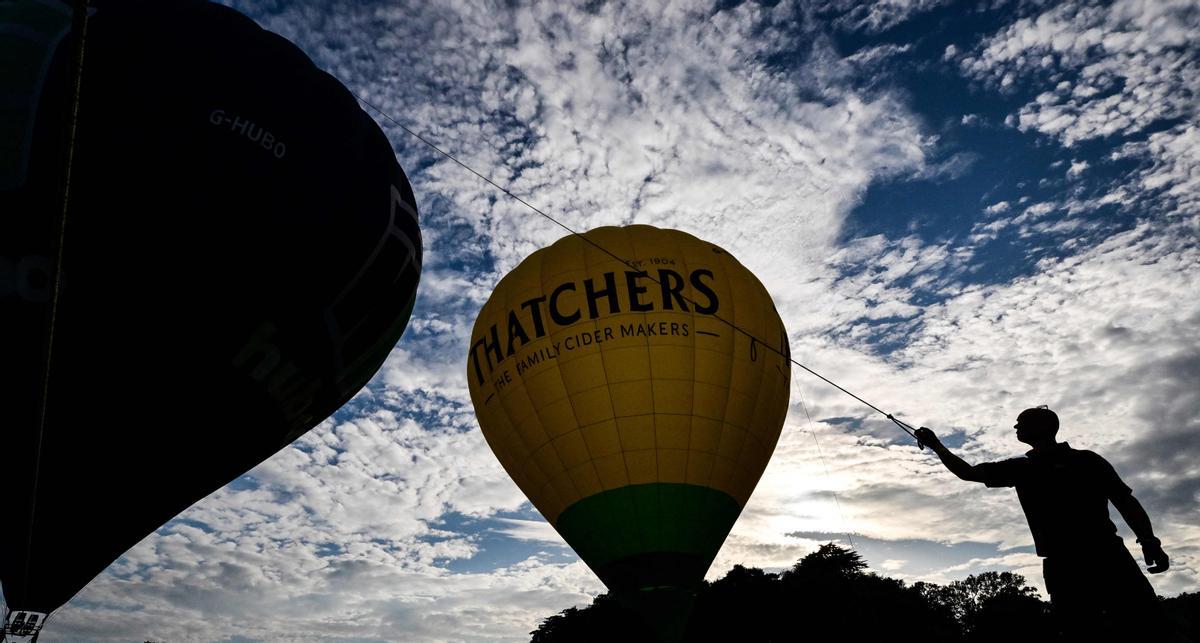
(1064, 493)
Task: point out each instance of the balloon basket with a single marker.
(21, 626)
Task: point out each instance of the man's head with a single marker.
(1036, 425)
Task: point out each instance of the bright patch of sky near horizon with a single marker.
(961, 209)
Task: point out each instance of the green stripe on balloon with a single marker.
(649, 535)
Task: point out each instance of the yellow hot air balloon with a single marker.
(629, 396)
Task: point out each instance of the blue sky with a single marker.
(962, 209)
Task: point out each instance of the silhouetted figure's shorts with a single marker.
(1101, 594)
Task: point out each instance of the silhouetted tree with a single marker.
(604, 621)
(992, 606)
(966, 599)
(1012, 617)
(1184, 612)
(829, 595)
(747, 592)
(832, 586)
(829, 561)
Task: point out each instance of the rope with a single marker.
(787, 356)
(821, 455)
(80, 20)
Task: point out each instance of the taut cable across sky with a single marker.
(783, 351)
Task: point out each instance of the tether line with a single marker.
(821, 455)
(907, 428)
(80, 21)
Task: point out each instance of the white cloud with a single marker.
(535, 530)
(874, 17)
(998, 208)
(954, 167)
(1119, 71)
(892, 565)
(876, 55)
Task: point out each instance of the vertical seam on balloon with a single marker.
(532, 460)
(786, 375)
(546, 488)
(692, 417)
(762, 374)
(685, 269)
(656, 526)
(570, 401)
(503, 305)
(638, 526)
(729, 383)
(621, 446)
(612, 409)
(616, 425)
(786, 353)
(733, 482)
(653, 404)
(769, 309)
(721, 427)
(520, 436)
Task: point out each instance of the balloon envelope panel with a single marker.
(635, 419)
(240, 252)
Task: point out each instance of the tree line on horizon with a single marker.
(830, 593)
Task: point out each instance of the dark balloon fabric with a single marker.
(239, 254)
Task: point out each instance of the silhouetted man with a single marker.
(1095, 585)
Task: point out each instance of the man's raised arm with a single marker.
(955, 464)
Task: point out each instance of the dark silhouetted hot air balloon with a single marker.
(239, 252)
(635, 419)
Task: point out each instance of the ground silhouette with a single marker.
(830, 595)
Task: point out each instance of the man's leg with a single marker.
(1077, 613)
(1130, 599)
(1069, 610)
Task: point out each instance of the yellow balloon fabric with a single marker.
(623, 401)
